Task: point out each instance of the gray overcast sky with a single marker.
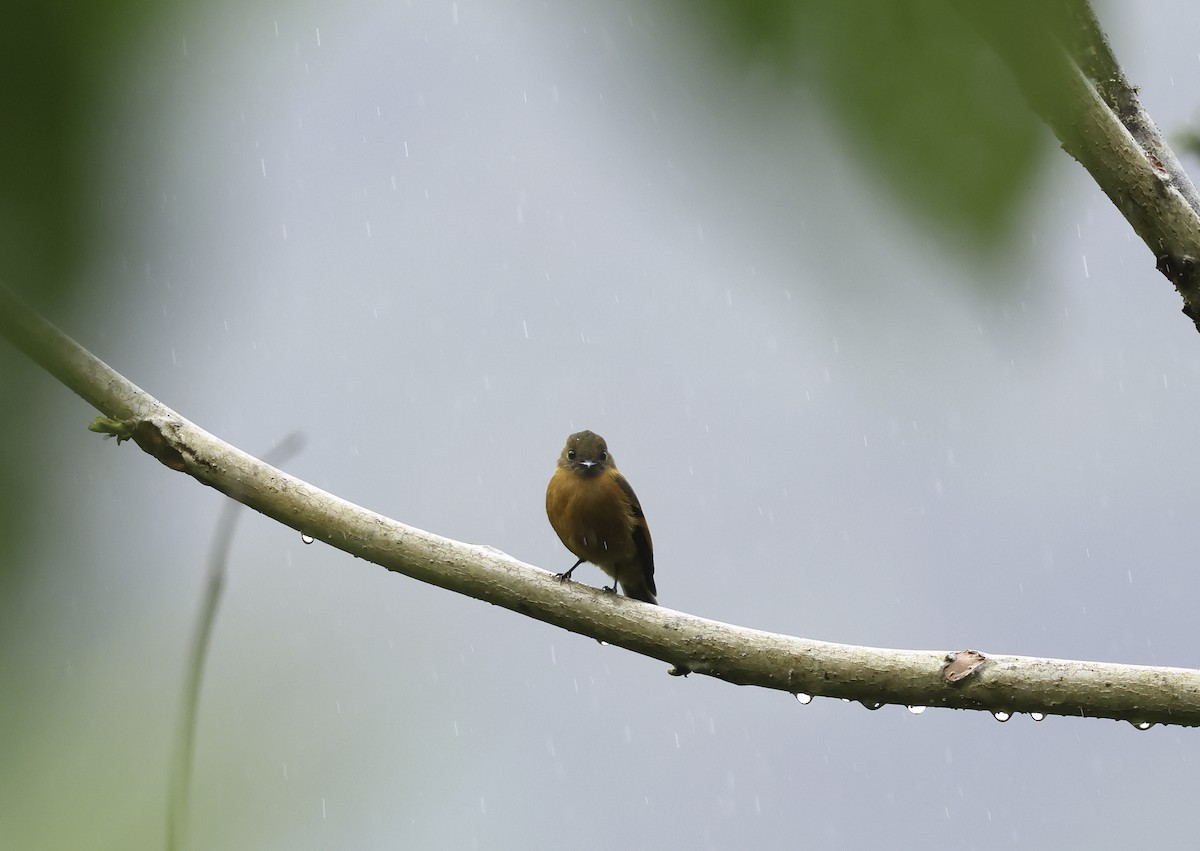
(439, 237)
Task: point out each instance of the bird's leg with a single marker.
(613, 590)
(566, 575)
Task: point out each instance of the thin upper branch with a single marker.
(691, 644)
(1066, 69)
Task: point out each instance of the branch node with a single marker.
(146, 434)
(961, 665)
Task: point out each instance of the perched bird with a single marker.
(598, 517)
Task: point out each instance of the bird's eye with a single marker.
(603, 456)
(571, 454)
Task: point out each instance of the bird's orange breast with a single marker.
(592, 517)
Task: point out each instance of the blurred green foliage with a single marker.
(56, 59)
(913, 88)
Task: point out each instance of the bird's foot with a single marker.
(565, 576)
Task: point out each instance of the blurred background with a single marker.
(884, 366)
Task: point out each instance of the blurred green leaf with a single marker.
(913, 88)
(56, 58)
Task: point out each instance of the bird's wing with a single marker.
(641, 532)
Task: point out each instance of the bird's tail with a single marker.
(638, 589)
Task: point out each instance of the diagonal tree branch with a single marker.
(965, 680)
(1063, 64)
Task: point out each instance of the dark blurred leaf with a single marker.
(56, 59)
(926, 103)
